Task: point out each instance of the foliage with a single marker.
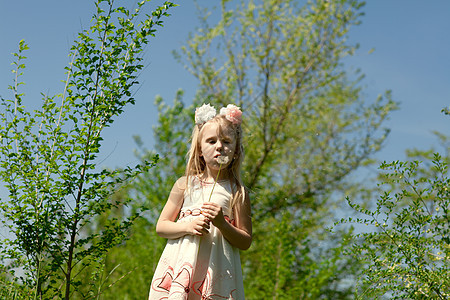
(12, 290)
(407, 256)
(284, 276)
(48, 156)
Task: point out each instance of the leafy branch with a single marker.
(49, 156)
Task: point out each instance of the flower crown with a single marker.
(206, 112)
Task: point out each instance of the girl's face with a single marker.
(215, 143)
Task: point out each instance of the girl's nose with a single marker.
(219, 145)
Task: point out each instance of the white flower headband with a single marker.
(206, 112)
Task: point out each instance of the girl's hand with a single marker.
(199, 226)
(213, 212)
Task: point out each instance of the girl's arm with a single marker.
(239, 236)
(166, 226)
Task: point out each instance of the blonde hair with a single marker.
(196, 164)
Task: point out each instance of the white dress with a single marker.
(194, 267)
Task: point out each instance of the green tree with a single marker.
(307, 127)
(48, 157)
(406, 253)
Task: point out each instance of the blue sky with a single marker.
(411, 58)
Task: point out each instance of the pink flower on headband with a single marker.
(232, 113)
(204, 113)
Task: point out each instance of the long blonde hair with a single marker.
(196, 163)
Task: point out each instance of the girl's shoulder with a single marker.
(181, 183)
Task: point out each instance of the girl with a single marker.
(201, 259)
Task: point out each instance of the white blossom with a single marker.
(204, 113)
